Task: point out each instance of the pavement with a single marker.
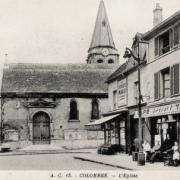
(45, 149)
(123, 161)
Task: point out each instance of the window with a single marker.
(167, 40)
(156, 86)
(165, 82)
(95, 110)
(162, 84)
(114, 99)
(100, 61)
(110, 61)
(162, 43)
(73, 115)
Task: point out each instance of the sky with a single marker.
(60, 31)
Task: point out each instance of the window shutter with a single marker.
(171, 38)
(156, 86)
(176, 78)
(156, 46)
(172, 80)
(176, 35)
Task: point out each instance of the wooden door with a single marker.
(41, 128)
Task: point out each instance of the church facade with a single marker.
(51, 103)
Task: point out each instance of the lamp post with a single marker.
(129, 53)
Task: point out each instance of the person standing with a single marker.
(176, 154)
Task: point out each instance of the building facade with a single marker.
(159, 52)
(161, 79)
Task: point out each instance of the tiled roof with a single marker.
(128, 65)
(47, 78)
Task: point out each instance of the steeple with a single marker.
(102, 48)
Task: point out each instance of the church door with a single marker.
(41, 128)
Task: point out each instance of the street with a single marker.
(63, 161)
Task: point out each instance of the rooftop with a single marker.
(55, 78)
(119, 73)
(164, 24)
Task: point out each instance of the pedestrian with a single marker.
(146, 149)
(176, 154)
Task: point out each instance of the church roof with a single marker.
(102, 35)
(53, 78)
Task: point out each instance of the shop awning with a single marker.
(103, 120)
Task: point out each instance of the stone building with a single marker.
(51, 103)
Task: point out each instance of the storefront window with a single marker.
(162, 127)
(122, 133)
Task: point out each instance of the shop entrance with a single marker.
(161, 127)
(172, 131)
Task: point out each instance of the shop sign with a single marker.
(122, 92)
(159, 111)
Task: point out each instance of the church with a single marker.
(51, 103)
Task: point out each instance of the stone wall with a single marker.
(20, 118)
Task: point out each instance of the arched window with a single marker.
(110, 61)
(95, 110)
(73, 115)
(100, 61)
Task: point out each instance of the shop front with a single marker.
(164, 126)
(162, 121)
(114, 127)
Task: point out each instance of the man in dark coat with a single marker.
(167, 144)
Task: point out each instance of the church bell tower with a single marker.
(102, 48)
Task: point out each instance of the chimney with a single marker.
(157, 15)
